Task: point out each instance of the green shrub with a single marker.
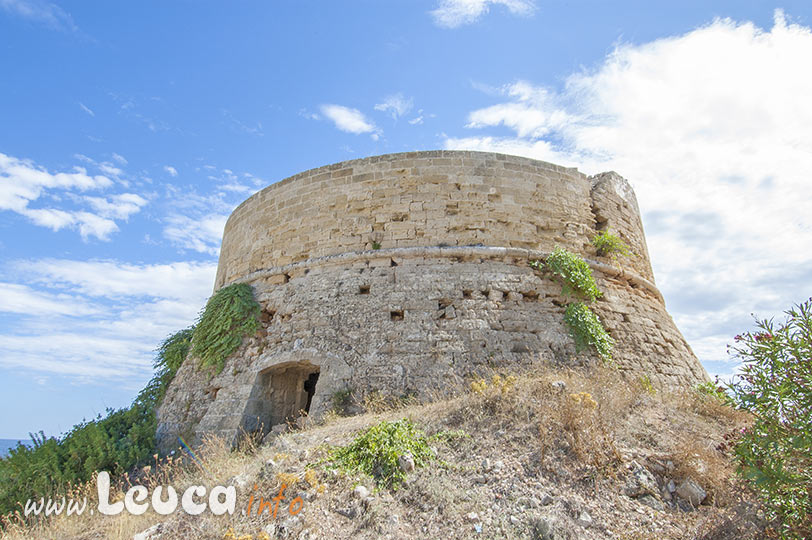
(375, 452)
(714, 390)
(587, 330)
(575, 274)
(230, 315)
(609, 244)
(775, 384)
(115, 443)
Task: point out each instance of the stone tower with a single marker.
(408, 273)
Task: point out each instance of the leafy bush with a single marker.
(116, 442)
(575, 273)
(587, 330)
(230, 315)
(375, 451)
(775, 384)
(715, 391)
(609, 244)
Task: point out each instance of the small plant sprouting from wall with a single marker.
(230, 314)
(609, 244)
(587, 330)
(575, 274)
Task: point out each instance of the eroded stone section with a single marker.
(448, 296)
(614, 207)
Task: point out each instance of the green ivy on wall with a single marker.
(230, 314)
(577, 279)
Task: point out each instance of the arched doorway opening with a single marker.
(286, 392)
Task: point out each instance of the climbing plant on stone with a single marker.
(230, 314)
(584, 325)
(587, 330)
(574, 273)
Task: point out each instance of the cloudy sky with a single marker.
(129, 131)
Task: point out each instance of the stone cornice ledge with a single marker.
(462, 252)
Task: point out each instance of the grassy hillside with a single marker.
(550, 455)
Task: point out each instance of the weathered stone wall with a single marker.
(449, 293)
(408, 200)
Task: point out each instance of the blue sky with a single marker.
(129, 131)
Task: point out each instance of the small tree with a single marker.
(775, 384)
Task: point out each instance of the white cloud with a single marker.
(102, 278)
(120, 206)
(396, 105)
(22, 182)
(98, 319)
(41, 12)
(454, 13)
(713, 128)
(24, 300)
(349, 120)
(201, 234)
(86, 109)
(240, 126)
(119, 159)
(173, 172)
(304, 113)
(534, 112)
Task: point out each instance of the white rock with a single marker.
(472, 516)
(406, 462)
(241, 480)
(360, 492)
(514, 520)
(691, 492)
(153, 533)
(584, 519)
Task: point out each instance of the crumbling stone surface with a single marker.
(407, 273)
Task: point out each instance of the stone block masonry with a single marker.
(407, 274)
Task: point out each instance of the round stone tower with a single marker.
(408, 273)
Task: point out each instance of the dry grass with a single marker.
(571, 441)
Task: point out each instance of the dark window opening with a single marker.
(466, 294)
(396, 315)
(363, 289)
(310, 388)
